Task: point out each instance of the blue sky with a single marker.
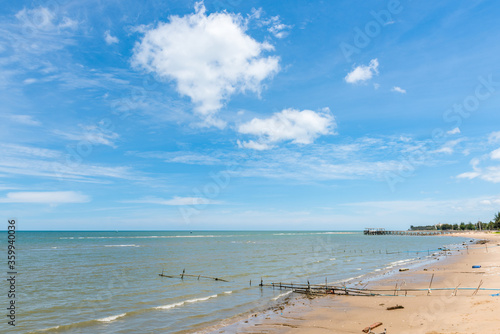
(236, 115)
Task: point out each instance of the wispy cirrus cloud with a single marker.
(93, 134)
(60, 165)
(189, 158)
(485, 166)
(363, 158)
(45, 197)
(176, 201)
(22, 119)
(273, 23)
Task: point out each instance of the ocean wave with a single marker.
(133, 245)
(282, 295)
(398, 263)
(189, 301)
(112, 318)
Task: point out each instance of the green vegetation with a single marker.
(492, 225)
(423, 228)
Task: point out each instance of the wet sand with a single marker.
(437, 312)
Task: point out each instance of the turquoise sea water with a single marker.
(108, 282)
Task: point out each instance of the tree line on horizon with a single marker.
(491, 225)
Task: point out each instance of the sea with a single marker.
(109, 282)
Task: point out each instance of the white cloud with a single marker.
(182, 157)
(109, 38)
(398, 90)
(209, 57)
(277, 28)
(488, 173)
(453, 131)
(300, 127)
(468, 175)
(491, 174)
(12, 150)
(29, 81)
(24, 119)
(494, 137)
(45, 197)
(448, 147)
(43, 19)
(362, 72)
(495, 155)
(176, 201)
(61, 165)
(254, 145)
(92, 134)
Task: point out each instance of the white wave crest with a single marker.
(112, 318)
(282, 295)
(169, 306)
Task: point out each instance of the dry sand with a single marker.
(437, 313)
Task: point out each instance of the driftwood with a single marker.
(397, 307)
(372, 326)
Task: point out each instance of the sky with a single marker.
(249, 115)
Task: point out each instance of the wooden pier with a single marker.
(383, 231)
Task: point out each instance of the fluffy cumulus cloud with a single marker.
(209, 57)
(45, 197)
(363, 73)
(299, 127)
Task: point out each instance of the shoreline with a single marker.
(350, 314)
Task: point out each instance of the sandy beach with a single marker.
(438, 312)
